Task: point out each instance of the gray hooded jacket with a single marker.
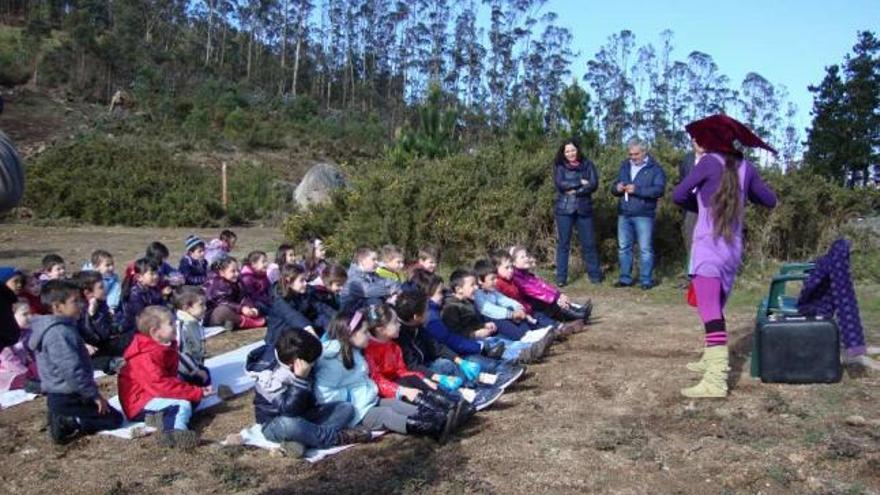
(62, 359)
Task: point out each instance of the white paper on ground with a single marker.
(226, 369)
(535, 335)
(253, 436)
(15, 397)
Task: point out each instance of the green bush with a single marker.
(135, 182)
(499, 195)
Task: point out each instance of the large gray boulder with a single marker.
(318, 184)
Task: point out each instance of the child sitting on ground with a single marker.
(502, 310)
(189, 303)
(193, 265)
(149, 388)
(341, 374)
(391, 267)
(285, 255)
(102, 262)
(225, 300)
(315, 260)
(324, 292)
(254, 281)
(26, 288)
(285, 406)
(428, 259)
(461, 316)
(96, 326)
(388, 368)
(363, 286)
(221, 247)
(66, 373)
(18, 365)
(531, 291)
(431, 285)
(52, 268)
(292, 308)
(139, 291)
(422, 353)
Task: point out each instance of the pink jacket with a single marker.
(534, 287)
(255, 289)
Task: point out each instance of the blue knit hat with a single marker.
(6, 272)
(192, 242)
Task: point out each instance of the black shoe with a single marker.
(357, 434)
(507, 374)
(493, 350)
(62, 429)
(620, 285)
(649, 285)
(587, 309)
(430, 422)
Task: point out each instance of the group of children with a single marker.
(380, 346)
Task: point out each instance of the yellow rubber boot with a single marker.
(698, 366)
(714, 382)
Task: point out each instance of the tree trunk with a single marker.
(250, 54)
(296, 63)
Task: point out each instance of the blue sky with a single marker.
(787, 41)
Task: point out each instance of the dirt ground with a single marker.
(601, 414)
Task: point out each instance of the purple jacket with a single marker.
(221, 292)
(139, 298)
(255, 289)
(195, 272)
(534, 287)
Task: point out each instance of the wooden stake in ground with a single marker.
(224, 198)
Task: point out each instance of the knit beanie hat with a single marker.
(192, 242)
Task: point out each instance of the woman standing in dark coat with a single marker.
(576, 180)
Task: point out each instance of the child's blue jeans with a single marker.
(318, 427)
(176, 412)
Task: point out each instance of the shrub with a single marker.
(135, 182)
(498, 195)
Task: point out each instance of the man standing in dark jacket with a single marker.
(640, 183)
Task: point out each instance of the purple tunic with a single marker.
(713, 256)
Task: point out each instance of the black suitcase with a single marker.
(799, 349)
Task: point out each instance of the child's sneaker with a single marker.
(357, 434)
(507, 374)
(225, 392)
(180, 439)
(62, 429)
(293, 449)
(486, 396)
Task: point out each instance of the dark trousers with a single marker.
(111, 348)
(565, 224)
(85, 411)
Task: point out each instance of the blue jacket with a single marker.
(62, 359)
(650, 185)
(568, 179)
(296, 312)
(335, 383)
(364, 288)
(441, 333)
(195, 272)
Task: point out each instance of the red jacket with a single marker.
(511, 290)
(385, 360)
(150, 372)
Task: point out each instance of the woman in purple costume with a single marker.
(718, 187)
